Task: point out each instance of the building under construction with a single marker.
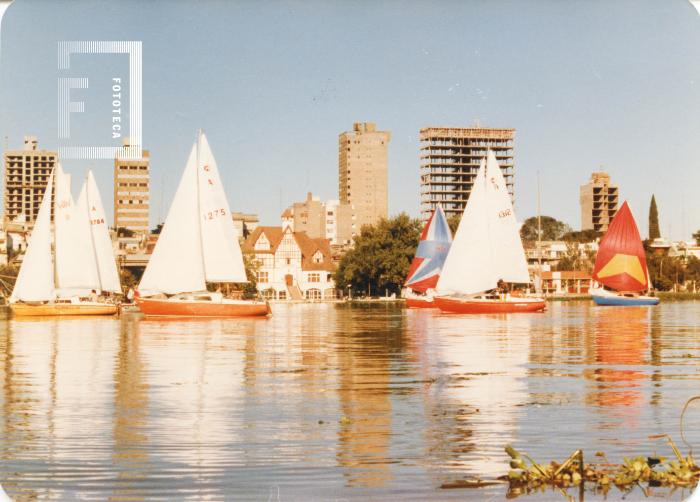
(27, 174)
(450, 158)
(598, 200)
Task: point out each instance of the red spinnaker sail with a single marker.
(621, 264)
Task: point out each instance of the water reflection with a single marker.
(326, 401)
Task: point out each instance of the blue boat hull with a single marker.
(624, 301)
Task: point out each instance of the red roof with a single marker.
(308, 246)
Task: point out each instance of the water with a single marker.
(332, 402)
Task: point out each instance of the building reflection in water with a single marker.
(366, 340)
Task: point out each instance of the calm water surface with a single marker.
(333, 402)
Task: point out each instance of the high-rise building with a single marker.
(598, 200)
(363, 172)
(26, 176)
(333, 220)
(131, 191)
(450, 158)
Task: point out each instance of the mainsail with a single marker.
(487, 245)
(35, 279)
(104, 252)
(621, 264)
(73, 275)
(431, 253)
(198, 242)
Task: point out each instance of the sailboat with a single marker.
(621, 264)
(67, 280)
(426, 266)
(197, 244)
(486, 251)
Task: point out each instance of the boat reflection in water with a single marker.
(620, 350)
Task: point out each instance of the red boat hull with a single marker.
(180, 308)
(475, 306)
(418, 303)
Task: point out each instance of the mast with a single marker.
(539, 236)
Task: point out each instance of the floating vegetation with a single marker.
(527, 475)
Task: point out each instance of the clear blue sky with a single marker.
(586, 84)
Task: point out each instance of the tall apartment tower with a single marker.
(131, 191)
(598, 200)
(450, 158)
(26, 176)
(362, 172)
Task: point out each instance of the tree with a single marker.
(156, 231)
(654, 232)
(552, 229)
(696, 236)
(589, 235)
(252, 265)
(380, 257)
(453, 223)
(124, 232)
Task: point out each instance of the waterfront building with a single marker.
(244, 223)
(333, 220)
(26, 175)
(449, 161)
(131, 191)
(566, 282)
(291, 265)
(598, 199)
(363, 172)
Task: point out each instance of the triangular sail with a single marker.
(35, 279)
(223, 260)
(177, 263)
(487, 245)
(468, 267)
(506, 245)
(82, 222)
(621, 263)
(431, 253)
(71, 252)
(104, 252)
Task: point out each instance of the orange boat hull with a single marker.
(182, 308)
(62, 309)
(473, 306)
(418, 303)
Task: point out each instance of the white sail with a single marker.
(35, 279)
(104, 252)
(72, 275)
(223, 260)
(177, 263)
(487, 245)
(81, 217)
(468, 268)
(507, 250)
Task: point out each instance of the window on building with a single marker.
(313, 294)
(282, 295)
(262, 276)
(318, 257)
(314, 277)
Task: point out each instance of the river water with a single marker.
(335, 402)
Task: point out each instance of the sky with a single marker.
(588, 85)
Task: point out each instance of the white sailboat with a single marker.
(197, 244)
(59, 281)
(486, 251)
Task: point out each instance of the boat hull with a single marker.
(62, 309)
(193, 308)
(420, 303)
(624, 301)
(488, 306)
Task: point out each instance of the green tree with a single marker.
(453, 223)
(654, 232)
(380, 257)
(159, 227)
(552, 229)
(589, 235)
(696, 236)
(124, 232)
(252, 265)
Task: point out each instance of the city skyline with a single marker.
(297, 74)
